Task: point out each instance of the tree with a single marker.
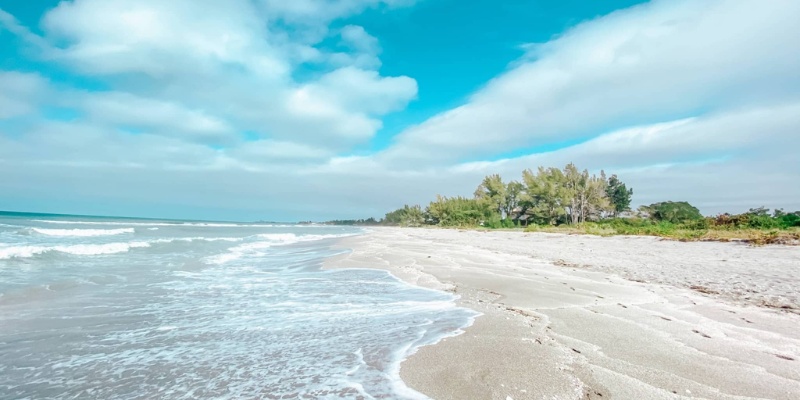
(618, 195)
(514, 192)
(406, 216)
(585, 194)
(493, 191)
(460, 211)
(414, 216)
(673, 211)
(597, 202)
(545, 196)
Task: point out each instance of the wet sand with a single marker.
(585, 317)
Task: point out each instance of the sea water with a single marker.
(111, 308)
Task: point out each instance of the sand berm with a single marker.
(586, 317)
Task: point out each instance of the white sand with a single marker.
(583, 317)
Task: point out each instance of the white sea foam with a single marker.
(8, 252)
(199, 239)
(154, 223)
(83, 232)
(77, 249)
(272, 239)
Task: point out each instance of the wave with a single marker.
(198, 224)
(28, 251)
(83, 232)
(76, 249)
(200, 239)
(272, 239)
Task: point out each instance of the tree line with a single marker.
(548, 197)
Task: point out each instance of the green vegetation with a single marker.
(756, 228)
(460, 211)
(569, 200)
(673, 211)
(406, 216)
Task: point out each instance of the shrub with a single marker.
(674, 211)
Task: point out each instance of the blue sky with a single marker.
(317, 109)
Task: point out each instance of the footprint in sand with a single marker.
(701, 334)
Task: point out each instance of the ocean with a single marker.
(120, 308)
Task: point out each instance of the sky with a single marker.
(332, 109)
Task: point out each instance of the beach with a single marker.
(588, 317)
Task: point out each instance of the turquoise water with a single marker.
(127, 309)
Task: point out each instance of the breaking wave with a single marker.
(76, 249)
(83, 232)
(28, 251)
(161, 223)
(268, 240)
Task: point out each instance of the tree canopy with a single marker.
(619, 195)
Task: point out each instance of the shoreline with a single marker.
(580, 317)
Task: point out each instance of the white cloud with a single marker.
(365, 48)
(271, 151)
(115, 109)
(163, 39)
(685, 100)
(729, 161)
(21, 93)
(656, 61)
(202, 67)
(358, 38)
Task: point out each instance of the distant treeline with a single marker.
(550, 197)
(547, 196)
(360, 222)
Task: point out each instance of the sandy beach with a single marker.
(584, 317)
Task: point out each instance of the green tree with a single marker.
(545, 195)
(514, 193)
(585, 194)
(618, 195)
(406, 216)
(492, 190)
(460, 211)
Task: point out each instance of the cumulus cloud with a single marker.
(652, 62)
(202, 113)
(212, 66)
